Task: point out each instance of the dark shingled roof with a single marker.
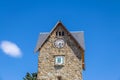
(79, 36)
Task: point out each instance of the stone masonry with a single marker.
(72, 67)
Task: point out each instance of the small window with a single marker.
(62, 33)
(59, 33)
(56, 33)
(59, 60)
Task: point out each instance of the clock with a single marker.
(59, 43)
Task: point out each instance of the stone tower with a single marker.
(61, 54)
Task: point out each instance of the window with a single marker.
(59, 60)
(60, 33)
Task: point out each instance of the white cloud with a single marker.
(10, 49)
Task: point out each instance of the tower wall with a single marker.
(70, 70)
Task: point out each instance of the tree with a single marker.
(32, 76)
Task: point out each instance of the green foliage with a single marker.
(32, 76)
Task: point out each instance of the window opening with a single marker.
(62, 33)
(56, 33)
(59, 33)
(59, 60)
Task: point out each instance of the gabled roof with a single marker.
(78, 36)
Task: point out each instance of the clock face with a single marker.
(59, 43)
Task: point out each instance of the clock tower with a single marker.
(61, 54)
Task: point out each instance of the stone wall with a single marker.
(72, 68)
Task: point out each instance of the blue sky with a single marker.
(21, 21)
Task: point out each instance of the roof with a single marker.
(79, 36)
